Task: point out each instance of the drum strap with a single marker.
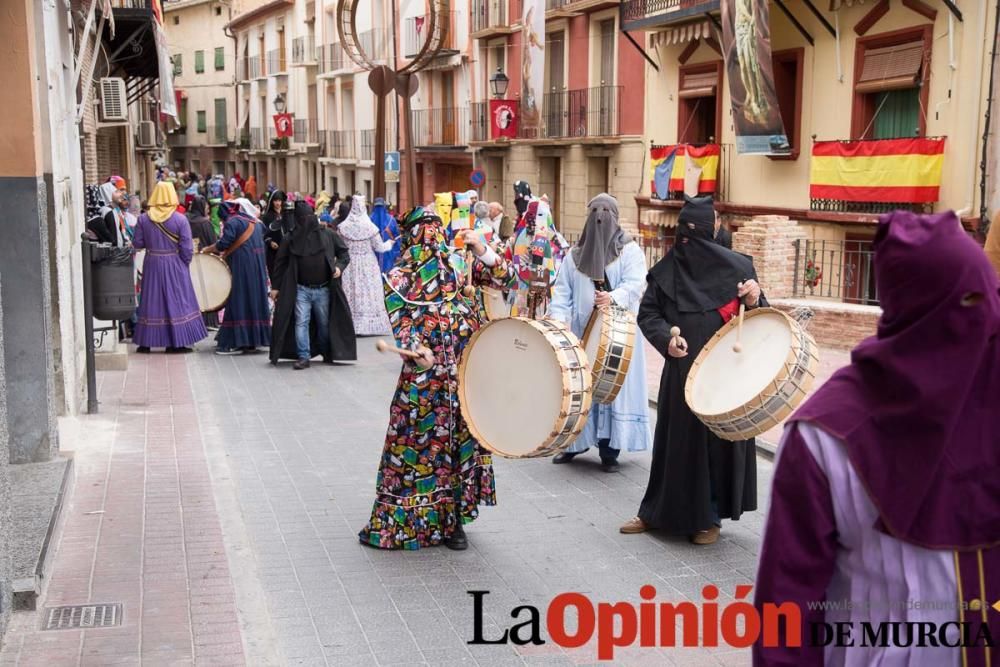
(169, 234)
(244, 237)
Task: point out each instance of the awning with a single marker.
(681, 34)
(700, 84)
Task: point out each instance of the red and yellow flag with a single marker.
(905, 171)
(668, 167)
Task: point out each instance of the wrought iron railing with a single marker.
(415, 35)
(375, 43)
(660, 12)
(488, 14)
(446, 126)
(839, 270)
(556, 4)
(585, 112)
(340, 144)
(258, 139)
(304, 50)
(305, 131)
(869, 208)
(243, 138)
(276, 63)
(331, 58)
(217, 135)
(276, 143)
(243, 69)
(255, 67)
(479, 121)
(655, 241)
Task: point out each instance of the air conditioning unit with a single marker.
(147, 134)
(114, 100)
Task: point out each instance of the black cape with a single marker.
(343, 345)
(690, 464)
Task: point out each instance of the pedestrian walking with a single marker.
(696, 479)
(311, 313)
(363, 277)
(168, 315)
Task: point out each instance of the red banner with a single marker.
(503, 119)
(283, 125)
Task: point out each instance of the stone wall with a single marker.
(834, 324)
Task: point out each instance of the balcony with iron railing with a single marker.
(331, 59)
(837, 270)
(493, 18)
(582, 113)
(243, 139)
(376, 43)
(304, 51)
(276, 143)
(366, 142)
(243, 70)
(255, 67)
(340, 144)
(416, 32)
(178, 138)
(641, 14)
(446, 126)
(258, 139)
(305, 131)
(217, 135)
(277, 65)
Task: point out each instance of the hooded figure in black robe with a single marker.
(696, 478)
(277, 225)
(307, 239)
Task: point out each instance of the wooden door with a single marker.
(448, 126)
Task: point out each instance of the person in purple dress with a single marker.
(168, 314)
(885, 503)
(246, 320)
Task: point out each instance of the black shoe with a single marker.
(609, 465)
(301, 364)
(458, 541)
(179, 350)
(563, 457)
(142, 349)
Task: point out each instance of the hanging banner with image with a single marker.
(532, 64)
(746, 43)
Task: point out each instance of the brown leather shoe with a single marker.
(633, 526)
(703, 537)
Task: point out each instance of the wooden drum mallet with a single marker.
(382, 346)
(738, 345)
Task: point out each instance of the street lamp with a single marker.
(499, 83)
(279, 103)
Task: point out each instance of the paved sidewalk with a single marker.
(228, 484)
(141, 530)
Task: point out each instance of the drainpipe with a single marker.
(984, 221)
(236, 85)
(971, 178)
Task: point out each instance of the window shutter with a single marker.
(699, 84)
(199, 62)
(891, 67)
(201, 122)
(220, 58)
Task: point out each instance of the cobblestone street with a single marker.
(219, 499)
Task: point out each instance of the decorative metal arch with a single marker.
(347, 29)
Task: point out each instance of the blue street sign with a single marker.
(392, 166)
(477, 178)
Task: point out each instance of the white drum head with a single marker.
(518, 418)
(212, 281)
(726, 380)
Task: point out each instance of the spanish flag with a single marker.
(668, 165)
(904, 171)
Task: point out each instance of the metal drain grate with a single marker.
(83, 616)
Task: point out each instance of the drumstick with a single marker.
(738, 345)
(383, 346)
(469, 291)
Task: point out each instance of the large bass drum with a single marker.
(210, 277)
(524, 387)
(609, 340)
(739, 395)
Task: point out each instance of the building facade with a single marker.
(593, 109)
(204, 69)
(843, 71)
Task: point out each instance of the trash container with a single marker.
(113, 283)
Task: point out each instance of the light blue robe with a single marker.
(626, 420)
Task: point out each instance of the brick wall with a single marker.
(834, 324)
(770, 240)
